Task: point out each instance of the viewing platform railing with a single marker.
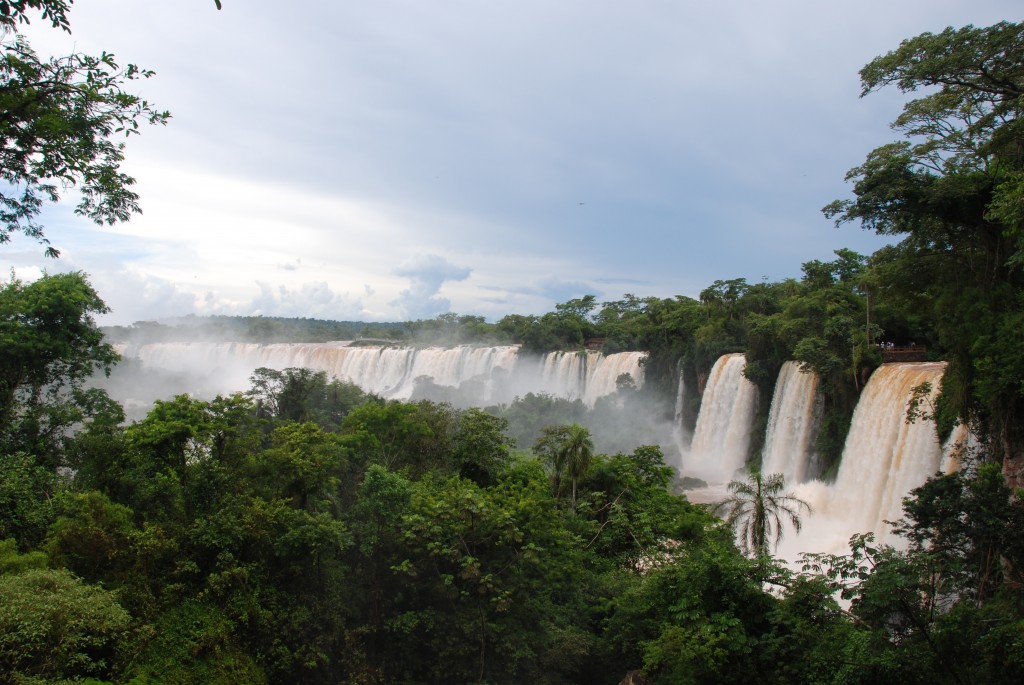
(910, 353)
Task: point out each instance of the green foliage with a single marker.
(698, 619)
(196, 644)
(567, 451)
(51, 346)
(12, 12)
(54, 627)
(951, 190)
(298, 394)
(480, 448)
(309, 533)
(179, 459)
(491, 558)
(59, 119)
(1007, 208)
(453, 329)
(392, 434)
(11, 561)
(93, 537)
(757, 506)
(302, 463)
(636, 520)
(527, 415)
(969, 523)
(27, 491)
(947, 610)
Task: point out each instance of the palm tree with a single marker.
(756, 508)
(569, 450)
(578, 452)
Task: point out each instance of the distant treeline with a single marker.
(267, 329)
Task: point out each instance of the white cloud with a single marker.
(314, 300)
(427, 274)
(653, 146)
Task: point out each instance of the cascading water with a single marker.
(960, 446)
(603, 373)
(562, 374)
(792, 423)
(884, 458)
(497, 374)
(886, 455)
(680, 435)
(721, 437)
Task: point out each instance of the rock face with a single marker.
(635, 678)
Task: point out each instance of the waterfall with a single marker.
(492, 374)
(960, 446)
(884, 458)
(562, 374)
(680, 435)
(792, 423)
(603, 373)
(721, 437)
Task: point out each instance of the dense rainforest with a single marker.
(303, 531)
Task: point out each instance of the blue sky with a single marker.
(399, 159)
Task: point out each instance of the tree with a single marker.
(569, 451)
(27, 492)
(12, 12)
(55, 628)
(302, 464)
(527, 415)
(300, 394)
(395, 434)
(184, 456)
(60, 120)
(968, 522)
(51, 346)
(704, 617)
(952, 189)
(93, 538)
(480, 448)
(490, 567)
(578, 451)
(757, 507)
(638, 521)
(948, 608)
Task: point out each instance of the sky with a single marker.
(399, 159)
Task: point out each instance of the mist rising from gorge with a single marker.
(606, 393)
